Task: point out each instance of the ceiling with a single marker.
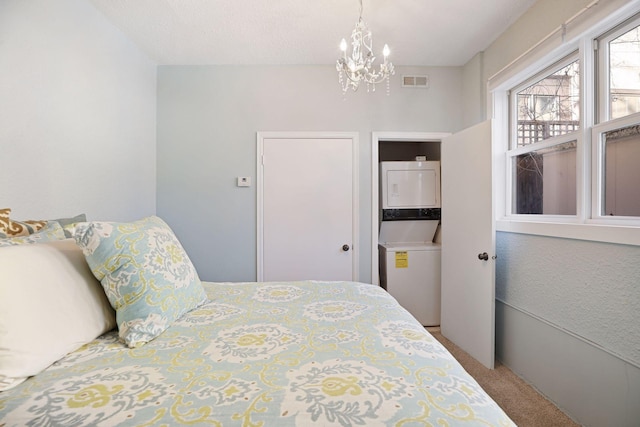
(302, 32)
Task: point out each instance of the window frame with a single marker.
(543, 74)
(513, 150)
(603, 121)
(597, 158)
(601, 44)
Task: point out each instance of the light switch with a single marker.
(244, 181)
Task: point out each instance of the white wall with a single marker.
(77, 114)
(567, 311)
(208, 117)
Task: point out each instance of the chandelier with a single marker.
(358, 66)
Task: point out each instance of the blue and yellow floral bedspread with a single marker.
(264, 354)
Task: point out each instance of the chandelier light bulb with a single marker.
(385, 50)
(343, 45)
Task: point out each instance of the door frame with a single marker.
(376, 137)
(355, 220)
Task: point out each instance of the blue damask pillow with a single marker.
(145, 272)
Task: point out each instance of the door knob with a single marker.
(483, 256)
(345, 248)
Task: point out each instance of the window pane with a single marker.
(550, 107)
(624, 74)
(621, 172)
(545, 181)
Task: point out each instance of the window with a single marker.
(618, 155)
(617, 135)
(545, 181)
(621, 195)
(567, 129)
(550, 106)
(620, 62)
(546, 113)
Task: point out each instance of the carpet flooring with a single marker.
(522, 403)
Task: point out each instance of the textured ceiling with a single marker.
(419, 32)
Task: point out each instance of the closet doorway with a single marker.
(393, 146)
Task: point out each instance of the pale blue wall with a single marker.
(77, 114)
(589, 289)
(208, 117)
(584, 380)
(568, 322)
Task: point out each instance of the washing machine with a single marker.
(410, 269)
(409, 257)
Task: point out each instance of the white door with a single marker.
(468, 242)
(306, 211)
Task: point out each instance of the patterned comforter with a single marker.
(264, 354)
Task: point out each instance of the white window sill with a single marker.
(597, 232)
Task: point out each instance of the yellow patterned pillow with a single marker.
(10, 228)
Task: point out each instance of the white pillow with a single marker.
(50, 305)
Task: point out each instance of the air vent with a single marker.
(415, 81)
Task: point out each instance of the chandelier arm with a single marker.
(371, 77)
(354, 77)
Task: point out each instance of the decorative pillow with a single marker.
(52, 231)
(4, 220)
(68, 222)
(145, 272)
(50, 305)
(9, 228)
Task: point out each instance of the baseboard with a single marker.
(592, 386)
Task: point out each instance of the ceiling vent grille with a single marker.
(415, 81)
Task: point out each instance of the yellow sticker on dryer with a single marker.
(402, 259)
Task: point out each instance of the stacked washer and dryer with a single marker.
(408, 254)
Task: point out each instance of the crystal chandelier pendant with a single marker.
(358, 66)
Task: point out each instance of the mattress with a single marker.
(264, 354)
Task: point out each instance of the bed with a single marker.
(256, 354)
